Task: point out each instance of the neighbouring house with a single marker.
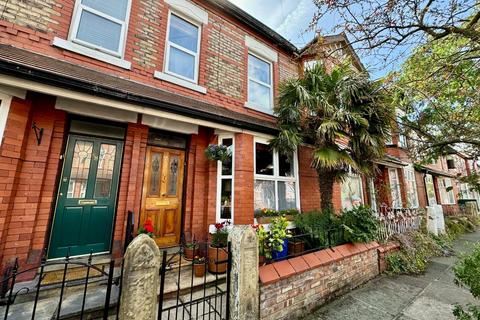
(107, 107)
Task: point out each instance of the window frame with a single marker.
(221, 177)
(360, 180)
(5, 101)
(447, 197)
(169, 44)
(75, 23)
(276, 175)
(271, 86)
(406, 171)
(372, 195)
(395, 204)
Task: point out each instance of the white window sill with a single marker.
(180, 82)
(97, 55)
(253, 107)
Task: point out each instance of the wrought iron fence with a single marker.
(195, 284)
(300, 243)
(398, 220)
(23, 299)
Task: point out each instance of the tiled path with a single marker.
(426, 297)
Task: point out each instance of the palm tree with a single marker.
(342, 114)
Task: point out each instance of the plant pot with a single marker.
(189, 253)
(261, 260)
(214, 255)
(280, 255)
(199, 269)
(296, 247)
(264, 220)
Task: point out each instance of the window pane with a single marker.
(258, 69)
(263, 159)
(285, 165)
(106, 162)
(99, 31)
(155, 169)
(173, 176)
(264, 194)
(351, 192)
(227, 165)
(286, 195)
(82, 157)
(114, 8)
(259, 96)
(432, 199)
(183, 33)
(226, 198)
(181, 63)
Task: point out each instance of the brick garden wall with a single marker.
(294, 287)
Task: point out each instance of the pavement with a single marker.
(429, 296)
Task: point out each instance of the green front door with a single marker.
(87, 197)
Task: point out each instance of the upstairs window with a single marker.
(260, 89)
(101, 25)
(183, 47)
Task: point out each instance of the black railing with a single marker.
(187, 293)
(300, 243)
(30, 295)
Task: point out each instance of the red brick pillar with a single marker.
(308, 179)
(244, 181)
(131, 180)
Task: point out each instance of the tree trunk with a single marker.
(326, 181)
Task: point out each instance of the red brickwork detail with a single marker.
(244, 179)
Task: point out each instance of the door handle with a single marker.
(164, 194)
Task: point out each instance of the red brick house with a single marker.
(107, 107)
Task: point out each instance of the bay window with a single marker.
(412, 195)
(395, 188)
(225, 181)
(352, 191)
(276, 178)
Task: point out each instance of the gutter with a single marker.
(47, 78)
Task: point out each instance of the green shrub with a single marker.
(467, 274)
(359, 224)
(318, 224)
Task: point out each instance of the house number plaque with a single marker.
(162, 203)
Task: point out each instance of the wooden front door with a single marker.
(162, 193)
(86, 201)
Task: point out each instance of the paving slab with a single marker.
(431, 295)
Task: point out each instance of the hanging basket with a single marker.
(217, 152)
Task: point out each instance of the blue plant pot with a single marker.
(280, 255)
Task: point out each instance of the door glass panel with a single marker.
(82, 157)
(155, 170)
(106, 162)
(173, 176)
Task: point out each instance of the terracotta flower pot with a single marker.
(189, 253)
(199, 269)
(261, 260)
(264, 220)
(296, 248)
(214, 255)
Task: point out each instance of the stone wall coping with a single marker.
(279, 270)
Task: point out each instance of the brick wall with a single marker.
(293, 288)
(30, 173)
(32, 25)
(244, 179)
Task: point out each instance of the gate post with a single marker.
(244, 283)
(140, 283)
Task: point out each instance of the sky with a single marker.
(291, 19)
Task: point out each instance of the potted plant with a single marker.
(278, 238)
(289, 214)
(296, 246)
(265, 215)
(191, 248)
(217, 251)
(147, 228)
(217, 152)
(199, 266)
(264, 249)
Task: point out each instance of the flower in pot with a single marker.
(278, 238)
(264, 249)
(190, 250)
(147, 228)
(199, 266)
(217, 251)
(265, 215)
(289, 214)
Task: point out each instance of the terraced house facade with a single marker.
(107, 108)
